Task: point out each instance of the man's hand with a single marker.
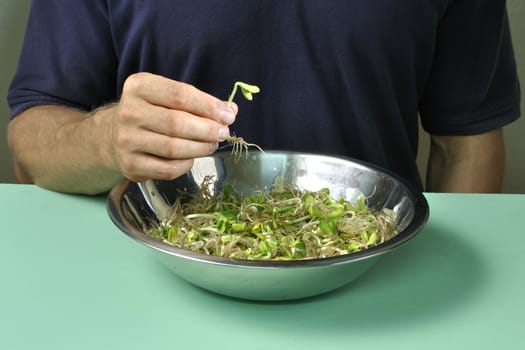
(155, 131)
(161, 125)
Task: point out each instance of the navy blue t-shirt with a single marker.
(346, 77)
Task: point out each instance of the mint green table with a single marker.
(71, 280)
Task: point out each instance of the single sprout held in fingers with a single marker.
(240, 146)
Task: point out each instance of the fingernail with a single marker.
(234, 107)
(213, 147)
(223, 133)
(226, 114)
(227, 117)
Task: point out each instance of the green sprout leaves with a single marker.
(247, 90)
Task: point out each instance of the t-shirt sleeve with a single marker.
(473, 85)
(67, 57)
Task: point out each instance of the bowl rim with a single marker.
(421, 215)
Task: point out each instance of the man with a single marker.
(112, 89)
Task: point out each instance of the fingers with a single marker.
(158, 145)
(146, 155)
(176, 95)
(161, 125)
(143, 167)
(175, 123)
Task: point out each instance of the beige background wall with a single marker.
(13, 14)
(12, 22)
(515, 134)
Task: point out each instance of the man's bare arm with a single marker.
(63, 149)
(466, 163)
(155, 131)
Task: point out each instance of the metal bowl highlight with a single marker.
(134, 206)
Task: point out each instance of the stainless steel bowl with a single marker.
(134, 206)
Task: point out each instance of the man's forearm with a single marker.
(63, 149)
(156, 130)
(466, 163)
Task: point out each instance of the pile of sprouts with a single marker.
(284, 223)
